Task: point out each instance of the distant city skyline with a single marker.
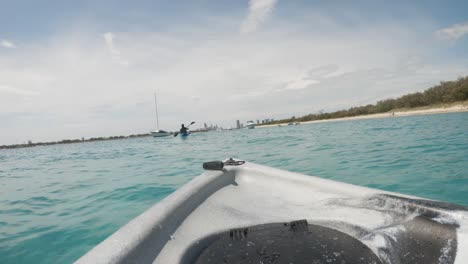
(74, 69)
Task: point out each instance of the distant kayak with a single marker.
(241, 212)
(184, 134)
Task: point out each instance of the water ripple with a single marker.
(57, 202)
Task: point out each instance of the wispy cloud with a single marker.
(453, 32)
(116, 55)
(7, 44)
(259, 10)
(14, 90)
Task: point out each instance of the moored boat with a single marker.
(250, 125)
(158, 133)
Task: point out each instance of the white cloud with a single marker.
(7, 44)
(453, 32)
(210, 75)
(116, 55)
(299, 84)
(8, 89)
(259, 10)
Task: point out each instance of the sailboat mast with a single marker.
(156, 108)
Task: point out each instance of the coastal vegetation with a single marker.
(443, 94)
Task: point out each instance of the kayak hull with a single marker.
(392, 226)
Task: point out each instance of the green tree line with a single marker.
(445, 92)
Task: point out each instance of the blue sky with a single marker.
(72, 69)
(25, 19)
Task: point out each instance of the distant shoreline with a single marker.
(452, 108)
(427, 110)
(70, 141)
(83, 140)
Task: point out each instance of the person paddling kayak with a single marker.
(183, 130)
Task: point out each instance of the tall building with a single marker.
(258, 122)
(238, 124)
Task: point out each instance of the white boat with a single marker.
(158, 133)
(250, 124)
(240, 212)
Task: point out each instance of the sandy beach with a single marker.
(453, 108)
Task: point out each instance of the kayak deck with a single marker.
(199, 216)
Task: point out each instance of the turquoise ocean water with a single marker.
(57, 202)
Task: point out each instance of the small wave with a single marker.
(36, 202)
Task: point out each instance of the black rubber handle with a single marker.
(213, 165)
